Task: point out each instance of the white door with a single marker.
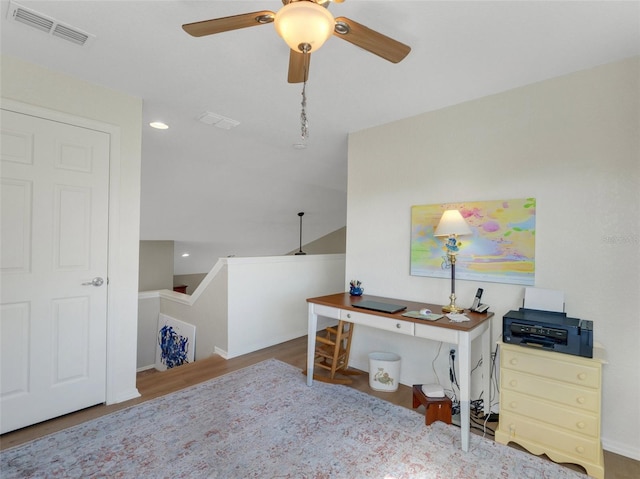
(53, 243)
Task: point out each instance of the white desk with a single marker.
(339, 306)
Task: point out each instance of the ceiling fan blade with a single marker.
(298, 66)
(225, 24)
(370, 40)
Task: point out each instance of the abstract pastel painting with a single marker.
(501, 248)
(175, 343)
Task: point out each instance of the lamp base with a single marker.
(452, 309)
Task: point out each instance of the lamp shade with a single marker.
(452, 223)
(304, 23)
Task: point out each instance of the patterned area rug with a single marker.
(264, 422)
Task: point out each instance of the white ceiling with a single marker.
(239, 191)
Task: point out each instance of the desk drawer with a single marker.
(326, 311)
(379, 322)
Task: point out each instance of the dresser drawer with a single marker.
(584, 399)
(568, 418)
(557, 366)
(379, 322)
(524, 430)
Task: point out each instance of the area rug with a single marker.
(265, 422)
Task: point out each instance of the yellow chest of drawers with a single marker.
(550, 404)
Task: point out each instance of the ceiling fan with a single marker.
(305, 25)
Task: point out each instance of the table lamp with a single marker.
(452, 225)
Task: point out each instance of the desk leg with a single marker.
(464, 351)
(311, 343)
(486, 369)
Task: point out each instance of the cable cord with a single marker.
(433, 363)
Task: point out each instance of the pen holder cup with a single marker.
(356, 291)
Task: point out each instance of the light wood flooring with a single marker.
(152, 383)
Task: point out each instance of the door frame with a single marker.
(114, 269)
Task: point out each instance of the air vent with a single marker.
(36, 21)
(70, 34)
(18, 13)
(219, 121)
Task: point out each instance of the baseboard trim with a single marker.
(221, 352)
(620, 448)
(145, 368)
(125, 396)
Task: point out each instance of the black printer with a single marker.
(548, 330)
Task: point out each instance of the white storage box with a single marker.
(384, 371)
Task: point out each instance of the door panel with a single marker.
(54, 237)
(15, 250)
(72, 228)
(14, 339)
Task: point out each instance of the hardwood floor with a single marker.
(152, 383)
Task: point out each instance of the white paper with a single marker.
(544, 299)
(457, 318)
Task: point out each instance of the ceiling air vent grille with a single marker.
(219, 121)
(70, 34)
(26, 16)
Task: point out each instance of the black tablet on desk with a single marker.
(378, 306)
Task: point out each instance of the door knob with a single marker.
(97, 281)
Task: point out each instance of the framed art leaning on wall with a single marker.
(501, 248)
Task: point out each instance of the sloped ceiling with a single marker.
(238, 191)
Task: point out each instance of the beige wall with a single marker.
(156, 265)
(191, 281)
(570, 142)
(39, 87)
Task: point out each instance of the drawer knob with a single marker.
(581, 425)
(580, 400)
(349, 315)
(514, 361)
(582, 376)
(398, 325)
(579, 449)
(513, 383)
(513, 404)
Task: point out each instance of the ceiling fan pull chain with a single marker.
(304, 123)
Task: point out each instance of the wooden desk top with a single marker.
(345, 301)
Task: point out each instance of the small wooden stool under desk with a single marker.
(436, 409)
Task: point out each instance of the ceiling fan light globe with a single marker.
(304, 23)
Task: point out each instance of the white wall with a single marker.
(267, 305)
(37, 86)
(246, 304)
(570, 142)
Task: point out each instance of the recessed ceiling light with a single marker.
(184, 255)
(299, 146)
(158, 125)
